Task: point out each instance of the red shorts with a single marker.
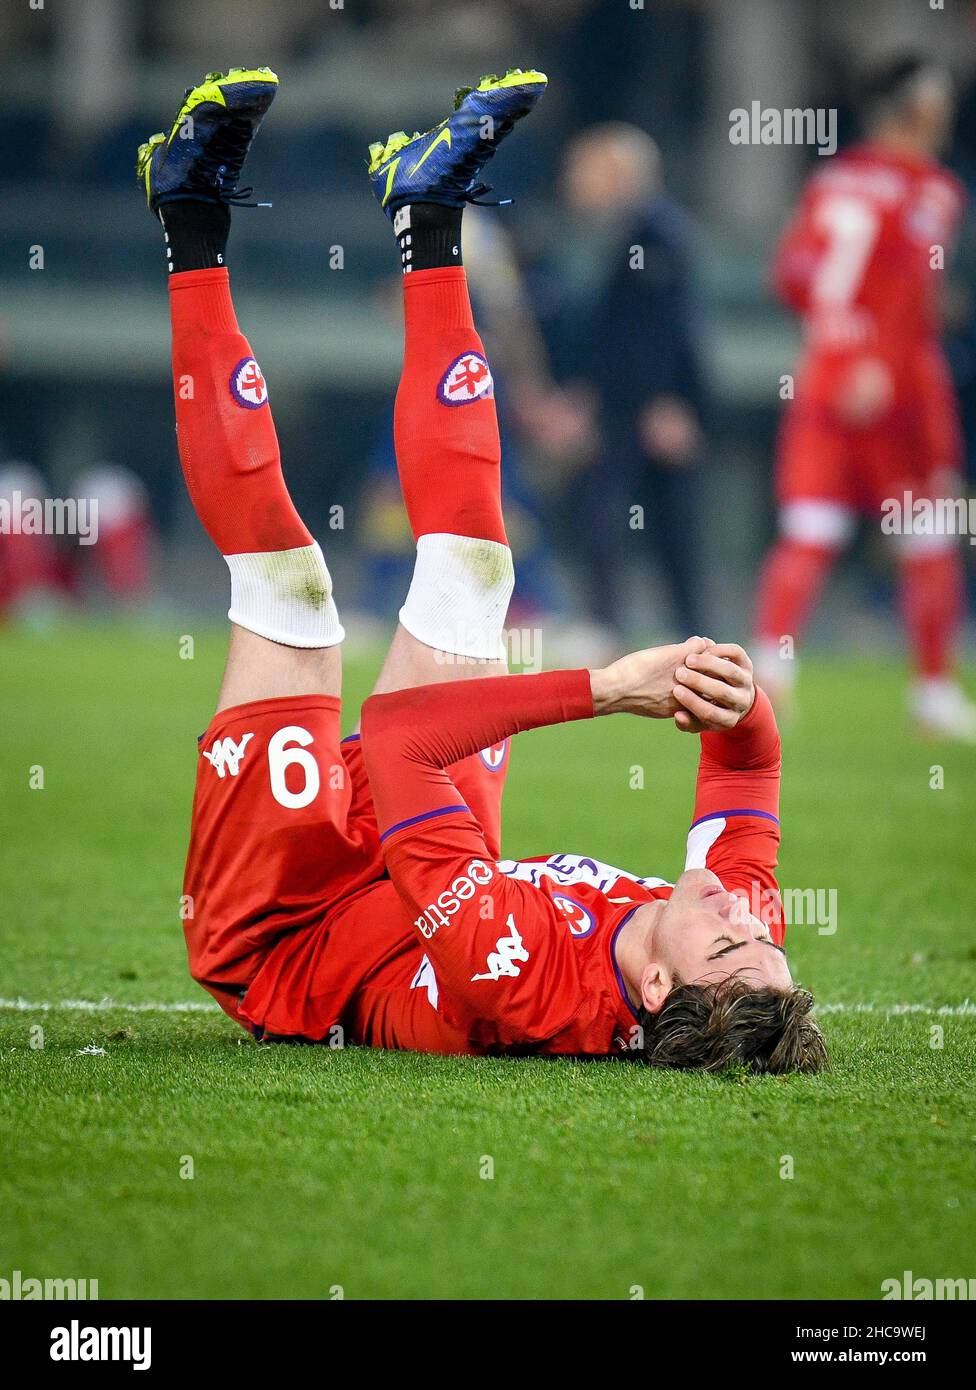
(284, 833)
(820, 460)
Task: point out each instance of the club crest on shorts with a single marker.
(494, 757)
(247, 384)
(467, 379)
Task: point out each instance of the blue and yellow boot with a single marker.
(442, 165)
(202, 156)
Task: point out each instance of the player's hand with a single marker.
(714, 689)
(866, 393)
(669, 432)
(644, 682)
(560, 424)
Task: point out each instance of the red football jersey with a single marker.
(460, 951)
(861, 261)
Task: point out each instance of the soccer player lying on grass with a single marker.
(352, 890)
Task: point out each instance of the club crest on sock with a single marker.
(467, 379)
(247, 385)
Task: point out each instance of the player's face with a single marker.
(588, 183)
(599, 176)
(706, 934)
(934, 111)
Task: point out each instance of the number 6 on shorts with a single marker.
(280, 758)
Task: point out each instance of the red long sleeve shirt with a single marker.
(858, 262)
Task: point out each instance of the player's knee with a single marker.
(826, 525)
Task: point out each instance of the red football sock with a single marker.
(445, 427)
(280, 584)
(789, 585)
(931, 600)
(227, 440)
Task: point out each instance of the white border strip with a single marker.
(967, 1009)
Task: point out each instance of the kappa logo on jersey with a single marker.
(226, 755)
(467, 379)
(494, 757)
(579, 919)
(247, 384)
(508, 950)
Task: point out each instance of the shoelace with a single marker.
(225, 156)
(476, 160)
(474, 195)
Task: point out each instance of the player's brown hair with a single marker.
(888, 87)
(710, 1027)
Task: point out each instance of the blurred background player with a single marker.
(874, 414)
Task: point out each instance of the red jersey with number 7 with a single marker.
(862, 261)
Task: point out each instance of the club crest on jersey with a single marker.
(494, 757)
(466, 380)
(579, 919)
(247, 384)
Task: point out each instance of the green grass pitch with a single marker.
(316, 1170)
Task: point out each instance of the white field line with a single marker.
(966, 1009)
(103, 1006)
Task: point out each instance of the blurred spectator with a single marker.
(627, 333)
(41, 559)
(31, 583)
(123, 554)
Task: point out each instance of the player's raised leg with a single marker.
(445, 425)
(286, 630)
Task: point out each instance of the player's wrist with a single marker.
(605, 687)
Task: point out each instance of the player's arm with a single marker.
(505, 968)
(505, 964)
(796, 257)
(735, 829)
(411, 736)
